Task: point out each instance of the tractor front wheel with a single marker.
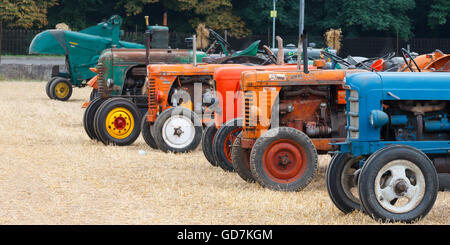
(61, 89)
(177, 130)
(241, 160)
(342, 182)
(223, 142)
(146, 129)
(398, 184)
(88, 117)
(283, 159)
(207, 143)
(117, 122)
(47, 87)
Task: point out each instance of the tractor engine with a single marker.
(315, 110)
(417, 120)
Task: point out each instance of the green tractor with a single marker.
(81, 49)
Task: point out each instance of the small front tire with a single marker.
(177, 130)
(61, 89)
(207, 143)
(283, 159)
(398, 184)
(117, 122)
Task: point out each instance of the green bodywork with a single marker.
(117, 63)
(82, 49)
(251, 50)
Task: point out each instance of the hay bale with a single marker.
(202, 36)
(62, 26)
(333, 39)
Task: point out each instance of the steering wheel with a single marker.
(219, 38)
(406, 55)
(336, 58)
(270, 54)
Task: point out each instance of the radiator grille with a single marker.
(102, 88)
(152, 100)
(249, 117)
(353, 124)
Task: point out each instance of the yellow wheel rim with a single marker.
(119, 123)
(61, 90)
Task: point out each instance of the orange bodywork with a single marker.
(319, 92)
(436, 61)
(227, 85)
(161, 80)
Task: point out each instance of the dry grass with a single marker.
(51, 173)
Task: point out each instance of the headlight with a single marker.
(109, 82)
(378, 118)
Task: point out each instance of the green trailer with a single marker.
(82, 50)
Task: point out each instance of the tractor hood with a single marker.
(48, 42)
(61, 42)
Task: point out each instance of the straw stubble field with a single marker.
(51, 173)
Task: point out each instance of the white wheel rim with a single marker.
(178, 131)
(350, 189)
(400, 179)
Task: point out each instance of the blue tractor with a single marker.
(397, 149)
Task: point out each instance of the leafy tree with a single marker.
(23, 13)
(216, 14)
(439, 13)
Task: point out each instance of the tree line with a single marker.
(241, 18)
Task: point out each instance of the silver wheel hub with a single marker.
(178, 131)
(400, 186)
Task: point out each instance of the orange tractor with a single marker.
(180, 98)
(289, 117)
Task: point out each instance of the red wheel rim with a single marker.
(284, 161)
(229, 140)
(120, 123)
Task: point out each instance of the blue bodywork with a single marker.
(366, 94)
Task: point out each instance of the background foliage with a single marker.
(356, 18)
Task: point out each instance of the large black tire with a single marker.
(340, 181)
(283, 159)
(61, 89)
(413, 169)
(47, 87)
(88, 117)
(241, 160)
(146, 131)
(223, 142)
(189, 132)
(117, 122)
(207, 143)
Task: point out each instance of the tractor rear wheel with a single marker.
(117, 122)
(207, 143)
(146, 131)
(61, 89)
(88, 117)
(241, 160)
(223, 142)
(177, 130)
(283, 159)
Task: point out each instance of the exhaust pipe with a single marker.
(305, 53)
(280, 54)
(147, 43)
(194, 49)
